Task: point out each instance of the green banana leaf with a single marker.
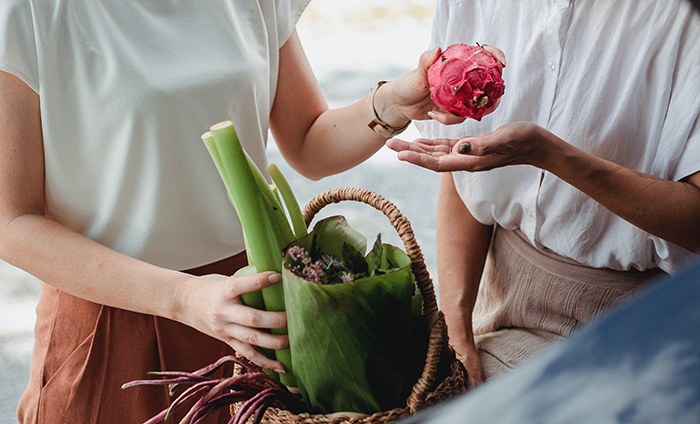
(351, 342)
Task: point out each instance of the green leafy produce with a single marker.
(350, 320)
(357, 340)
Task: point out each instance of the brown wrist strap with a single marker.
(376, 124)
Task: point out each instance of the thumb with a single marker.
(496, 53)
(428, 58)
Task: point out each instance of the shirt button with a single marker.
(529, 213)
(552, 65)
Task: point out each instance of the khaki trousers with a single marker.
(529, 298)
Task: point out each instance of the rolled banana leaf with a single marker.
(352, 342)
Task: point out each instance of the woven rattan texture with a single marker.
(443, 375)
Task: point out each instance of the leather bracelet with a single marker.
(376, 124)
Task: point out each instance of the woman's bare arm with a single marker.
(667, 209)
(463, 243)
(84, 268)
(317, 141)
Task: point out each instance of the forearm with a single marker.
(667, 209)
(86, 269)
(463, 244)
(317, 141)
(340, 139)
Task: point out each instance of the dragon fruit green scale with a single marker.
(466, 80)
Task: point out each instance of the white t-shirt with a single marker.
(619, 79)
(127, 88)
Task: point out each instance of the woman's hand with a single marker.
(511, 144)
(667, 209)
(409, 96)
(475, 372)
(212, 305)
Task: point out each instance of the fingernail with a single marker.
(465, 148)
(274, 278)
(432, 115)
(280, 371)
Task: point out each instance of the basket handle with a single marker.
(438, 329)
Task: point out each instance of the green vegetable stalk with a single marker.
(357, 340)
(265, 226)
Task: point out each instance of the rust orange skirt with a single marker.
(84, 352)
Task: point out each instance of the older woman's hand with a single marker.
(511, 144)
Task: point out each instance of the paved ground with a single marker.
(351, 45)
(18, 295)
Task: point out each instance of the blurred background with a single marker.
(351, 44)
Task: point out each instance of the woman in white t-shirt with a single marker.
(582, 185)
(107, 193)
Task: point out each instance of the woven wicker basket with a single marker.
(443, 375)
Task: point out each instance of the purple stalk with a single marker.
(187, 397)
(247, 409)
(209, 369)
(222, 401)
(206, 395)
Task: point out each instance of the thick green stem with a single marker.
(290, 201)
(264, 231)
(252, 299)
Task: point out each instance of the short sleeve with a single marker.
(288, 13)
(17, 43)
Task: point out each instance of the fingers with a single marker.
(475, 371)
(256, 337)
(252, 317)
(422, 145)
(445, 117)
(475, 374)
(496, 53)
(420, 159)
(249, 283)
(214, 307)
(443, 163)
(256, 357)
(430, 154)
(446, 155)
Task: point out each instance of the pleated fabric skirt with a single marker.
(529, 298)
(84, 352)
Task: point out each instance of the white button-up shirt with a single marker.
(619, 79)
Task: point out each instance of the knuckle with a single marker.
(252, 338)
(216, 319)
(231, 286)
(219, 330)
(281, 342)
(214, 315)
(252, 319)
(479, 149)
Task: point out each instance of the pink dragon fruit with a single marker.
(466, 80)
